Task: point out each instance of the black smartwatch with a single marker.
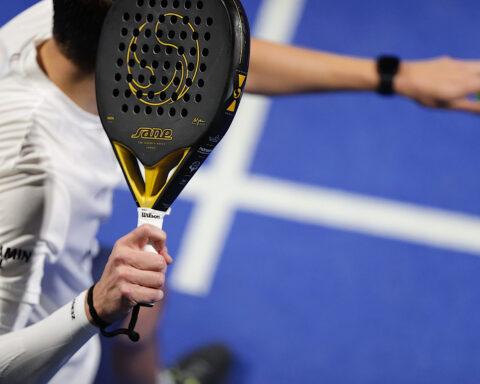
(387, 68)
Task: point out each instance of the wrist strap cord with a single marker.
(130, 331)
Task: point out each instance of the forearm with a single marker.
(138, 362)
(135, 364)
(34, 354)
(279, 69)
(440, 83)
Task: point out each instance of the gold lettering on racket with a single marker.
(153, 134)
(198, 122)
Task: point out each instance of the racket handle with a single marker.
(149, 248)
(153, 217)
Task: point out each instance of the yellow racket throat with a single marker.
(148, 190)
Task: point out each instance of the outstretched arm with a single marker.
(441, 83)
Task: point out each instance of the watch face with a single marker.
(388, 65)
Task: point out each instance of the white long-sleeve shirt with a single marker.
(57, 174)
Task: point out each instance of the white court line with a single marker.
(212, 216)
(338, 209)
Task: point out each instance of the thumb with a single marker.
(146, 234)
(467, 105)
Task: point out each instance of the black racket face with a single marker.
(169, 77)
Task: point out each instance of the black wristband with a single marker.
(387, 68)
(96, 319)
(130, 331)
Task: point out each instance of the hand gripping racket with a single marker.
(169, 78)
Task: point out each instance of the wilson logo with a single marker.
(150, 215)
(153, 134)
(14, 254)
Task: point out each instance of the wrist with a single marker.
(87, 312)
(102, 324)
(347, 73)
(401, 82)
(94, 315)
(367, 77)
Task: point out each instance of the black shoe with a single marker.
(206, 365)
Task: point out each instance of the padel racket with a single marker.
(169, 78)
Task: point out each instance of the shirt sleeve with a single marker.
(34, 206)
(34, 354)
(33, 229)
(13, 315)
(23, 28)
(3, 58)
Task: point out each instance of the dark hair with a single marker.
(76, 29)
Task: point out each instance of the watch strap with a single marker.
(387, 68)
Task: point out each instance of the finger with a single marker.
(164, 252)
(145, 234)
(159, 246)
(466, 105)
(141, 294)
(147, 261)
(166, 255)
(148, 279)
(474, 84)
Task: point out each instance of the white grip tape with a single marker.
(153, 217)
(149, 248)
